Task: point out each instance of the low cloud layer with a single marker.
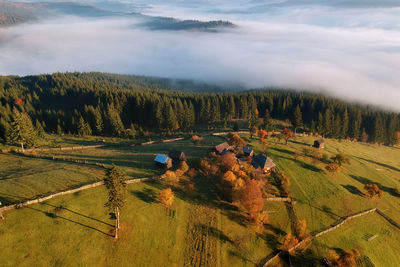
(352, 53)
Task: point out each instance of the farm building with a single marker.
(320, 143)
(163, 161)
(177, 155)
(248, 151)
(222, 147)
(263, 162)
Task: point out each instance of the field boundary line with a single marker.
(308, 239)
(69, 191)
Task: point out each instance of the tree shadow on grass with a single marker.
(214, 232)
(354, 190)
(281, 150)
(77, 213)
(147, 195)
(55, 216)
(380, 164)
(389, 190)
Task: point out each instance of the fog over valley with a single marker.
(350, 49)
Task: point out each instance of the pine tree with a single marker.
(83, 128)
(22, 130)
(379, 127)
(115, 182)
(267, 125)
(392, 138)
(345, 124)
(231, 108)
(328, 122)
(171, 122)
(4, 129)
(320, 124)
(356, 125)
(297, 119)
(115, 125)
(337, 128)
(39, 129)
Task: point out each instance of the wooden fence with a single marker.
(67, 192)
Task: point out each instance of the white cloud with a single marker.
(349, 53)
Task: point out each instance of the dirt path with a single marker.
(201, 242)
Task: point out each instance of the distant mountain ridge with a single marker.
(12, 13)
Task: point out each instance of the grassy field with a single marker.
(204, 230)
(24, 178)
(138, 161)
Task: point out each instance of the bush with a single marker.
(332, 167)
(197, 139)
(171, 178)
(166, 197)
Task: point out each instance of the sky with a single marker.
(350, 49)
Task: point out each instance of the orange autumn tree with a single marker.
(197, 139)
(301, 229)
(228, 161)
(287, 134)
(171, 178)
(235, 140)
(166, 197)
(289, 241)
(346, 258)
(251, 198)
(373, 190)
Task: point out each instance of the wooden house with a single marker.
(163, 161)
(222, 147)
(248, 151)
(177, 155)
(320, 143)
(263, 162)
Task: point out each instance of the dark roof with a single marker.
(261, 161)
(247, 149)
(176, 154)
(161, 159)
(226, 151)
(221, 147)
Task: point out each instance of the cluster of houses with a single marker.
(166, 161)
(260, 161)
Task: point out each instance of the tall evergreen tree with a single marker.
(356, 125)
(345, 124)
(115, 125)
(22, 130)
(297, 118)
(115, 182)
(393, 126)
(379, 127)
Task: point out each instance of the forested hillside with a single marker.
(118, 105)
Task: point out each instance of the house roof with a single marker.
(221, 147)
(263, 162)
(161, 159)
(247, 149)
(176, 154)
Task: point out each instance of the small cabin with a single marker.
(263, 162)
(320, 143)
(248, 151)
(163, 161)
(222, 147)
(177, 155)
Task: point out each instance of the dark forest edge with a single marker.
(137, 106)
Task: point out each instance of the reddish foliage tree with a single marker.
(287, 134)
(235, 140)
(348, 258)
(373, 190)
(166, 197)
(262, 134)
(289, 241)
(228, 161)
(251, 197)
(197, 139)
(19, 102)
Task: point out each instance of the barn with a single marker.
(248, 151)
(320, 143)
(222, 147)
(163, 161)
(263, 162)
(177, 155)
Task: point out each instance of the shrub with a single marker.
(171, 178)
(166, 197)
(301, 229)
(251, 197)
(235, 140)
(289, 241)
(340, 159)
(373, 190)
(332, 167)
(197, 139)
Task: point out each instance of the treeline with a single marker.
(118, 105)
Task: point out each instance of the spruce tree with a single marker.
(39, 129)
(115, 182)
(297, 119)
(392, 138)
(345, 124)
(267, 124)
(22, 130)
(379, 127)
(356, 125)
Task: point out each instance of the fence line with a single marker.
(308, 239)
(67, 192)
